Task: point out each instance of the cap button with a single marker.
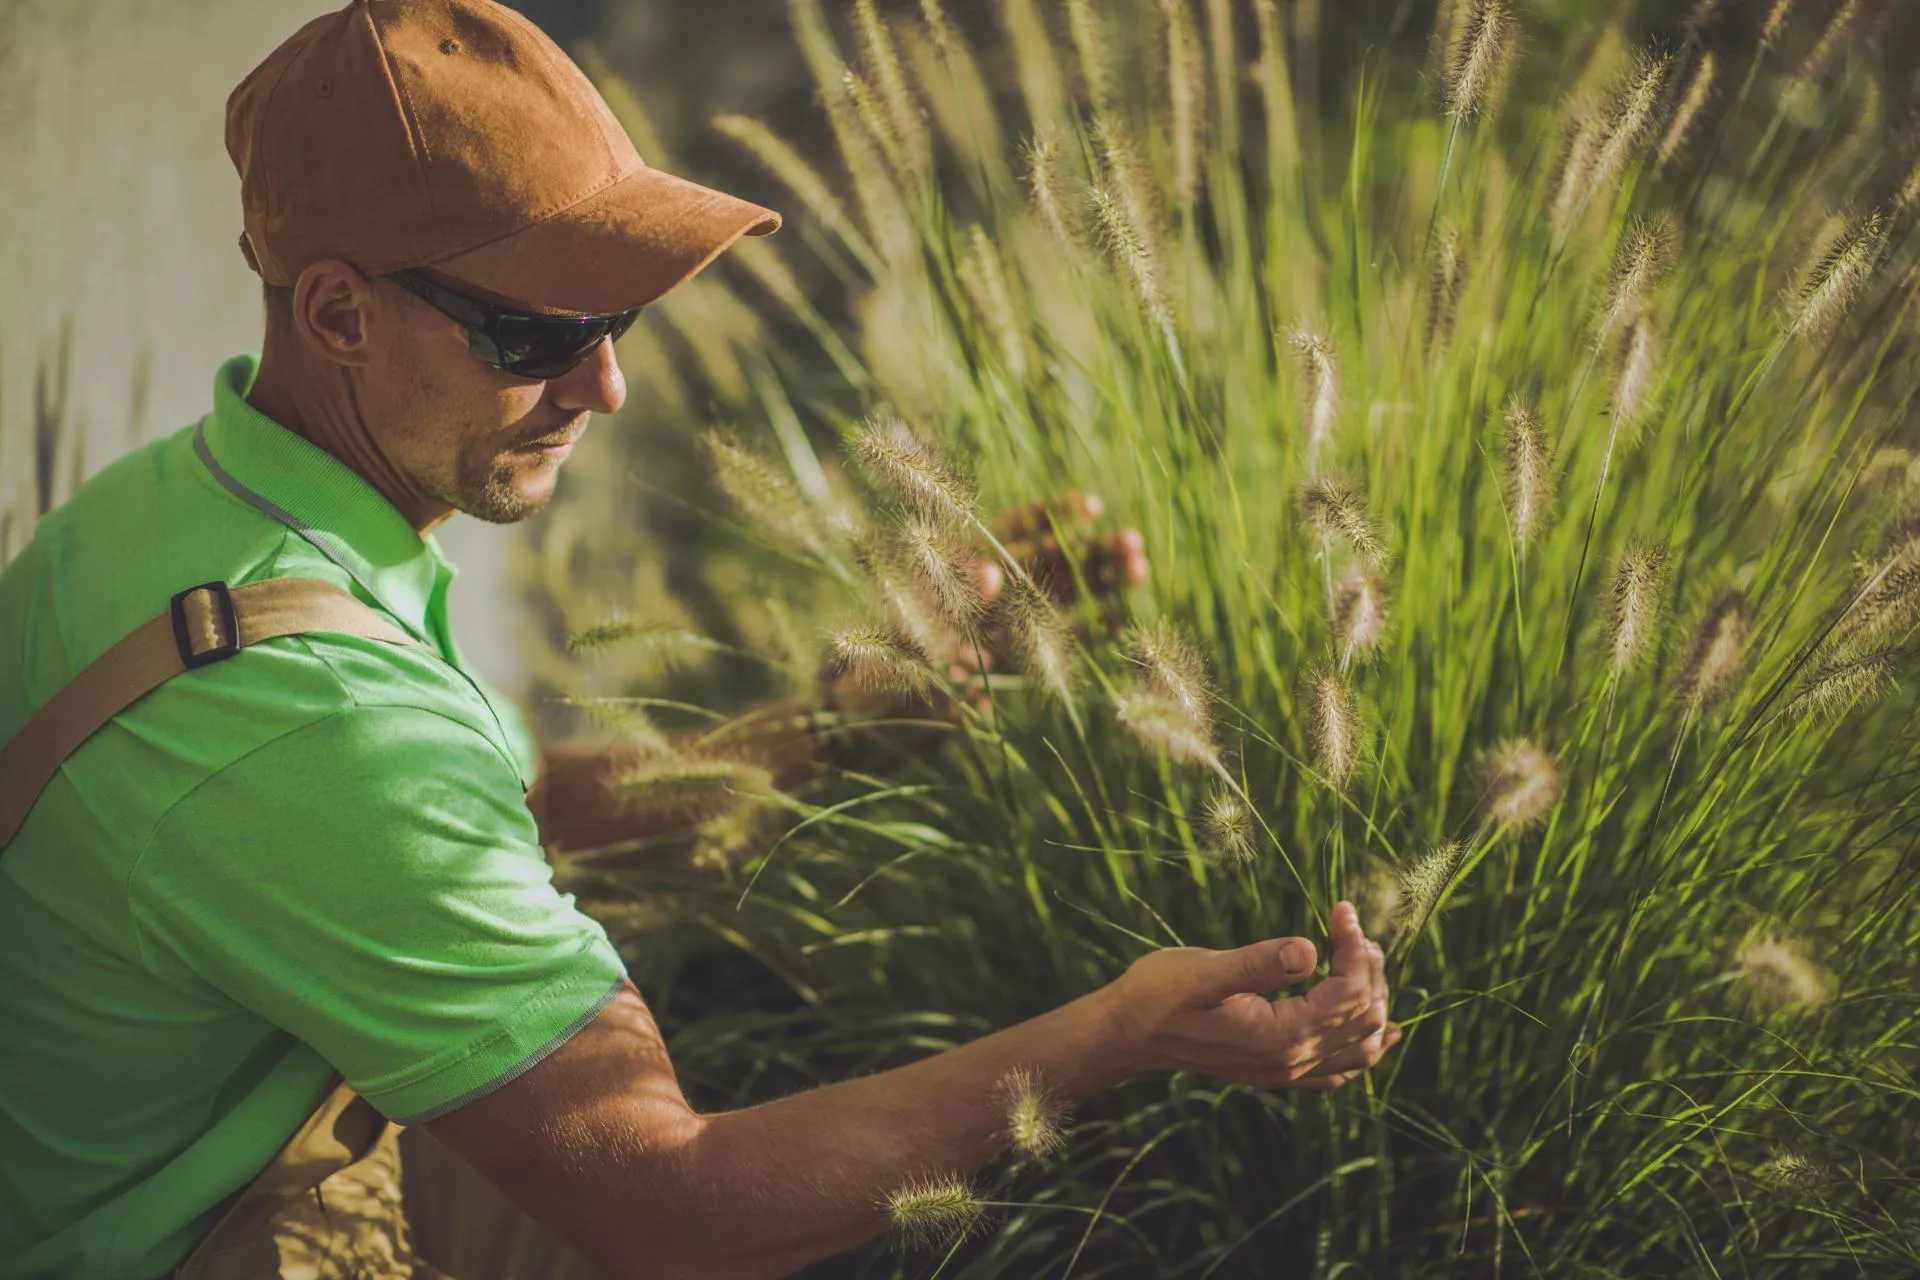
(449, 46)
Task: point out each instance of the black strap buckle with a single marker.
(229, 623)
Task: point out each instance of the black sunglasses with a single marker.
(526, 343)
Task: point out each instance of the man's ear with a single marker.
(336, 310)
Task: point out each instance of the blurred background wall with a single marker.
(121, 286)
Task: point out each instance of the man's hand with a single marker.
(1192, 1009)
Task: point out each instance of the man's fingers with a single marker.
(1347, 945)
(1260, 966)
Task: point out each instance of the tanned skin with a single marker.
(598, 1140)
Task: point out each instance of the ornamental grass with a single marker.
(1516, 413)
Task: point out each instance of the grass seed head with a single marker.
(1047, 191)
(1479, 57)
(1445, 283)
(1229, 825)
(1523, 784)
(1642, 261)
(1692, 103)
(880, 659)
(1529, 480)
(1127, 244)
(1585, 134)
(1335, 510)
(688, 784)
(1781, 974)
(942, 567)
(1716, 652)
(1888, 601)
(1321, 373)
(1319, 368)
(1163, 725)
(1842, 681)
(1336, 727)
(934, 1210)
(1034, 1115)
(1833, 281)
(900, 457)
(1633, 385)
(1423, 884)
(1186, 100)
(1776, 23)
(1096, 62)
(1638, 591)
(1793, 1176)
(1044, 638)
(1174, 669)
(761, 492)
(1359, 614)
(985, 281)
(1636, 104)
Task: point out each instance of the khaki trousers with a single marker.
(352, 1196)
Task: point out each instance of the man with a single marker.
(296, 891)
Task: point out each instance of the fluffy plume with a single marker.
(1186, 99)
(1359, 614)
(1781, 973)
(1319, 368)
(1776, 23)
(1794, 1176)
(1523, 784)
(1633, 383)
(1907, 199)
(761, 492)
(905, 123)
(1047, 190)
(663, 644)
(1445, 283)
(1423, 885)
(1096, 64)
(1528, 475)
(1638, 591)
(1832, 36)
(1044, 639)
(1034, 1114)
(1586, 133)
(985, 281)
(623, 716)
(1639, 265)
(688, 784)
(1164, 725)
(1889, 598)
(1173, 669)
(1479, 55)
(941, 565)
(1841, 682)
(894, 453)
(935, 1210)
(1228, 823)
(880, 659)
(1692, 103)
(1716, 652)
(1337, 510)
(1336, 727)
(1632, 115)
(1832, 282)
(1127, 243)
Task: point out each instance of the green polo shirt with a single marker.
(313, 856)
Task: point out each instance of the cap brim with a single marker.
(620, 248)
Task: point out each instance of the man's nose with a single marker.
(594, 385)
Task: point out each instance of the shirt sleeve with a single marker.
(374, 883)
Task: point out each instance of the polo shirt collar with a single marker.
(325, 501)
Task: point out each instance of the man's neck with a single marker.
(319, 406)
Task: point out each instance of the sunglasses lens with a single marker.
(542, 348)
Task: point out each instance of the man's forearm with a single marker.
(773, 1187)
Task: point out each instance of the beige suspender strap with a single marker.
(205, 624)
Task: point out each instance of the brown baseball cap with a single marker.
(454, 134)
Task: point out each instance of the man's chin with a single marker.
(520, 486)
